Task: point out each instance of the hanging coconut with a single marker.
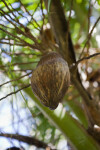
(50, 80)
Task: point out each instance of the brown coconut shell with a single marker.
(50, 80)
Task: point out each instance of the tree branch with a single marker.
(32, 19)
(20, 53)
(26, 139)
(85, 58)
(15, 92)
(11, 44)
(22, 63)
(28, 34)
(89, 36)
(16, 79)
(18, 70)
